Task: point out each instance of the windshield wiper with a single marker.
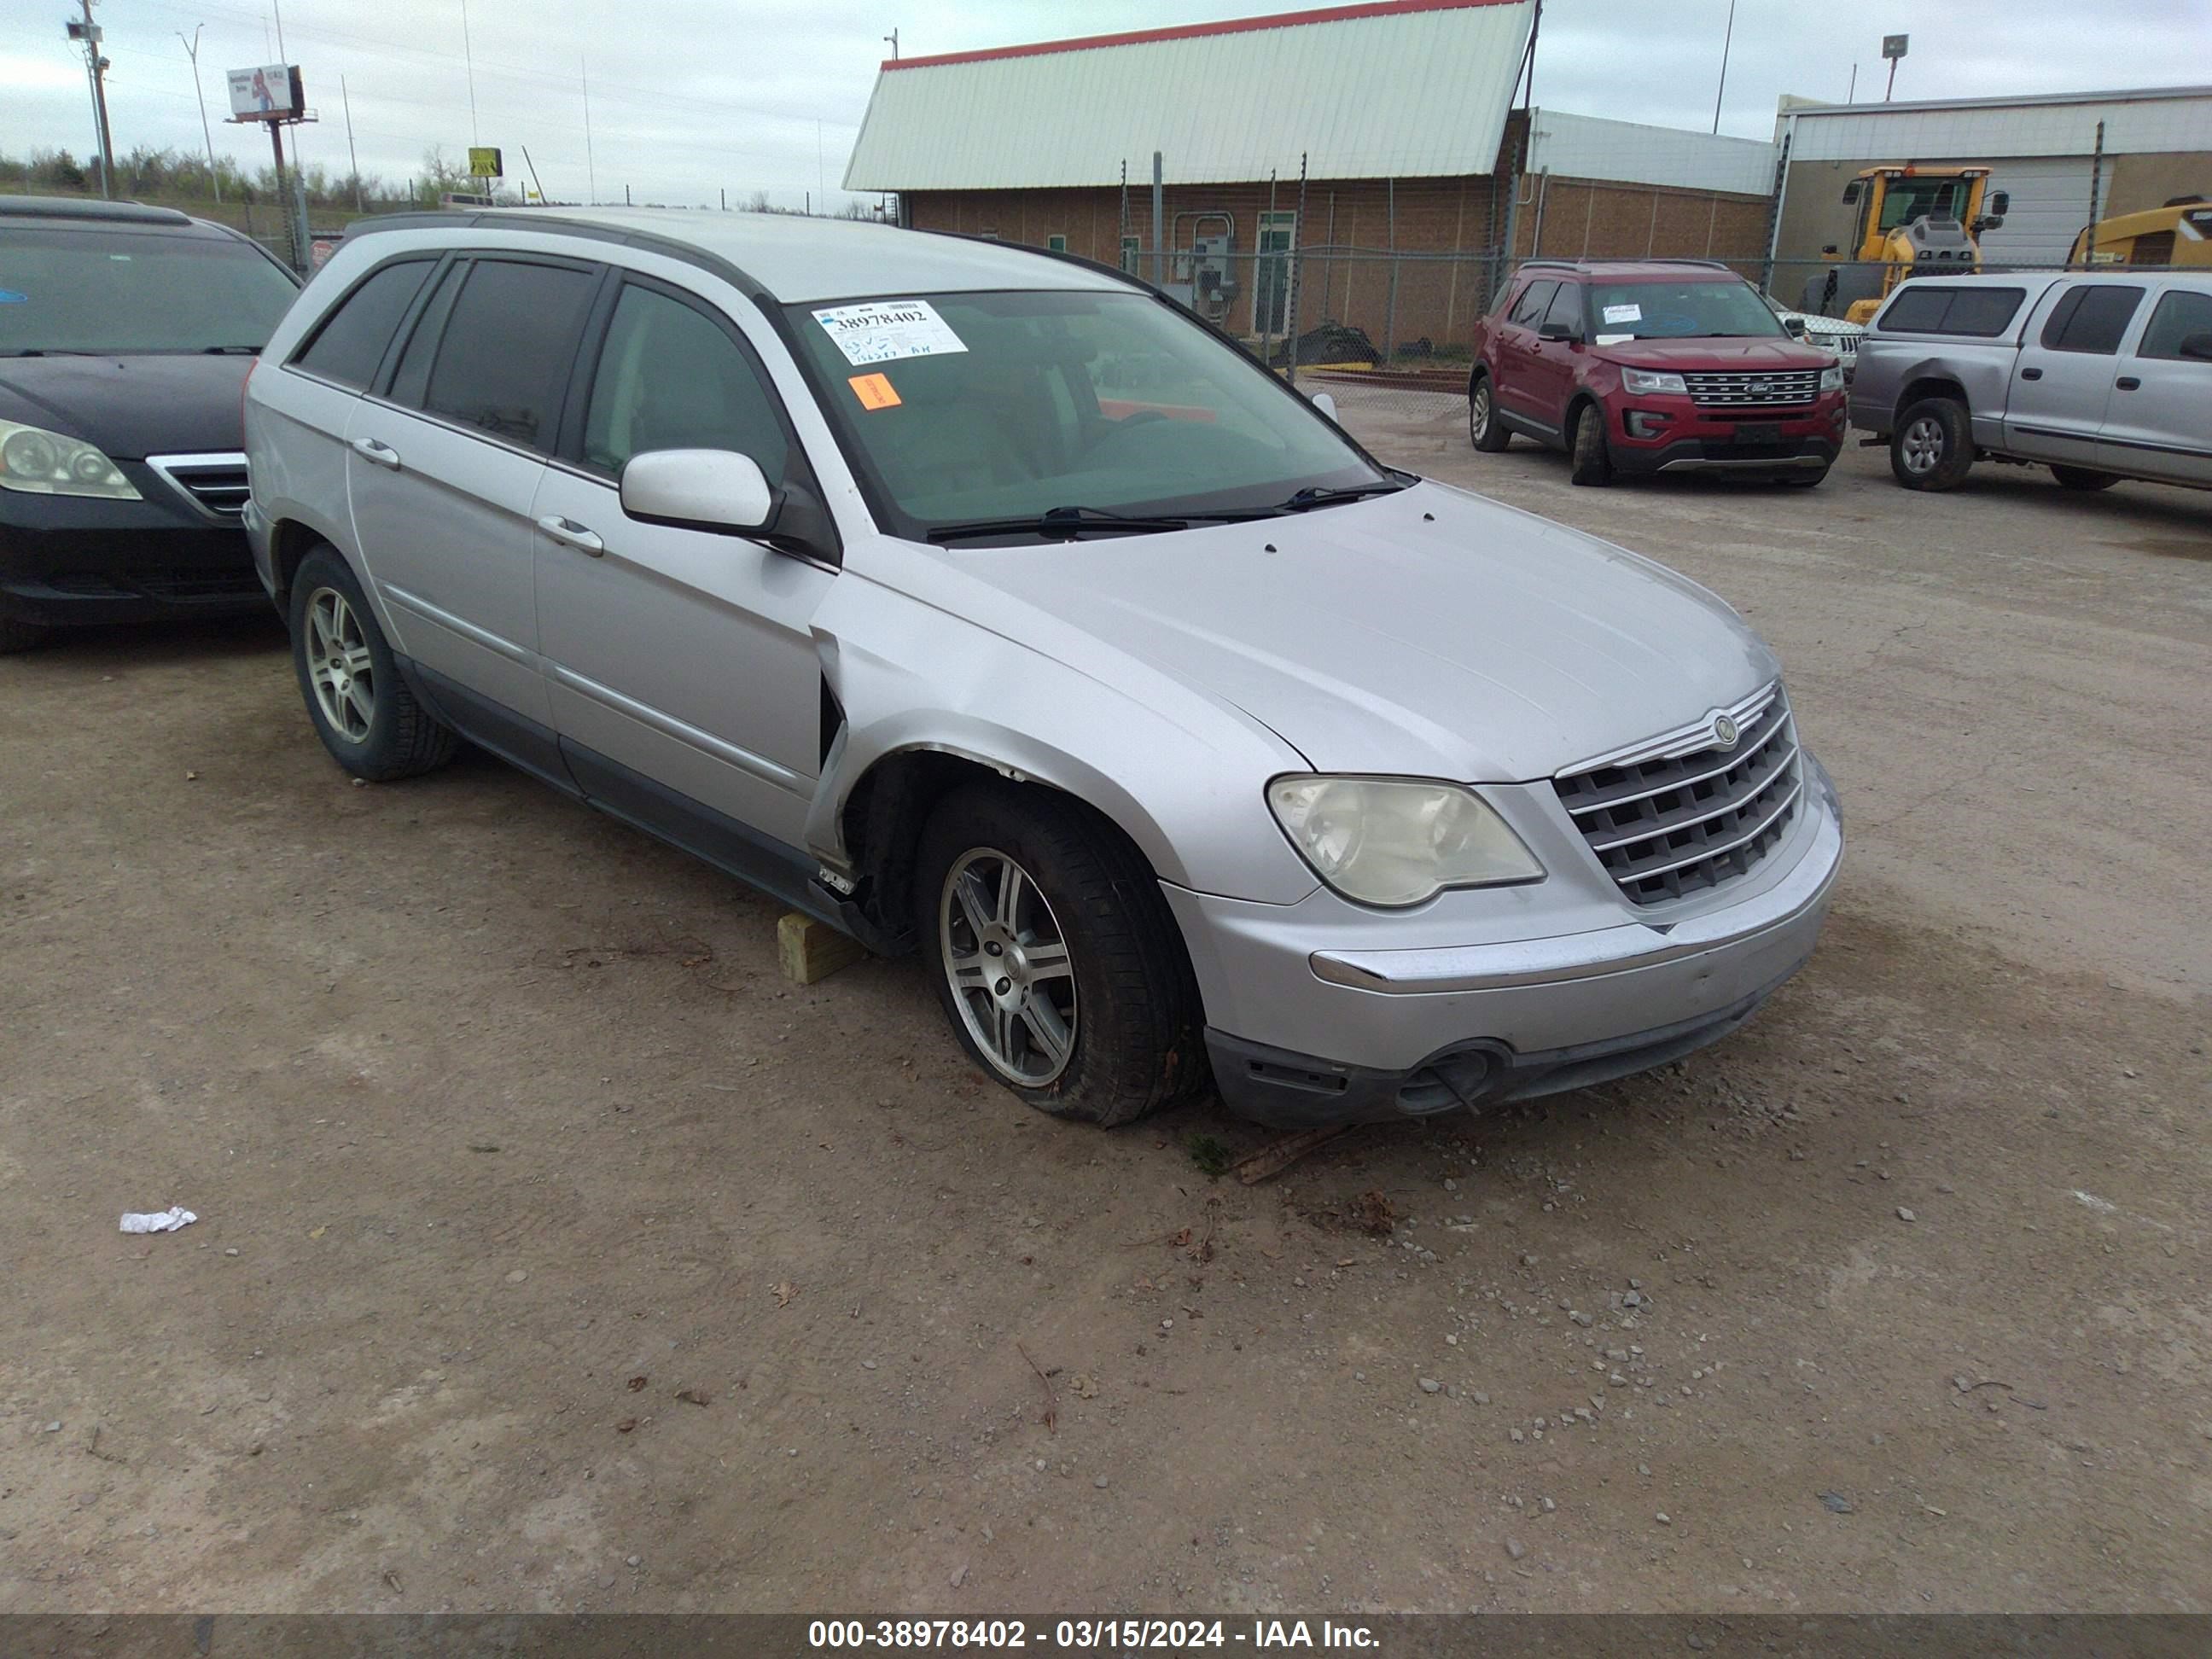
(1072, 521)
(1322, 496)
(51, 351)
(230, 351)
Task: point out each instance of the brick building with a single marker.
(1420, 177)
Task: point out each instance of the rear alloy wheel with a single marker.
(1484, 429)
(362, 710)
(18, 636)
(1589, 463)
(1933, 445)
(1055, 957)
(2083, 477)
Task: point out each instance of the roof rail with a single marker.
(1563, 264)
(82, 207)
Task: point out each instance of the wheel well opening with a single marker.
(289, 542)
(1929, 385)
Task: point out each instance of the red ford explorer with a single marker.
(1653, 366)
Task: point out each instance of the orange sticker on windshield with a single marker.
(874, 391)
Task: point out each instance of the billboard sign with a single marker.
(483, 163)
(270, 92)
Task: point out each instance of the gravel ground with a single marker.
(555, 1253)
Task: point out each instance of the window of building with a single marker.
(1056, 244)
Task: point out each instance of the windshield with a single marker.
(106, 290)
(1678, 311)
(1907, 199)
(958, 408)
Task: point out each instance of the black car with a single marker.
(126, 334)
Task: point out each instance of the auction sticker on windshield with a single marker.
(884, 330)
(1628, 313)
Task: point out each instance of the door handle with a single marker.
(572, 534)
(2031, 374)
(2127, 383)
(377, 454)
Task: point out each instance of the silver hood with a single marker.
(1430, 632)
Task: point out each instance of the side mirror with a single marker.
(2198, 346)
(1999, 204)
(1989, 221)
(1325, 403)
(1557, 332)
(698, 490)
(1794, 326)
(1829, 248)
(1851, 192)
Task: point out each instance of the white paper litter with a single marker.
(161, 1221)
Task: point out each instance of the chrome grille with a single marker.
(214, 483)
(1679, 822)
(1740, 389)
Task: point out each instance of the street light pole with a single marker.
(1726, 40)
(207, 132)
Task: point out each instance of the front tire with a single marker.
(362, 710)
(1590, 461)
(1933, 445)
(1484, 429)
(2083, 477)
(18, 636)
(1055, 959)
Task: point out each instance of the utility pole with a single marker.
(96, 69)
(192, 51)
(468, 57)
(353, 158)
(591, 168)
(893, 37)
(1727, 39)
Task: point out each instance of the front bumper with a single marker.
(1404, 1030)
(1667, 434)
(67, 560)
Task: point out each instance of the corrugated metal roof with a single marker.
(1588, 147)
(2146, 121)
(1405, 88)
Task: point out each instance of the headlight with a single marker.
(41, 462)
(1645, 379)
(1832, 378)
(1394, 842)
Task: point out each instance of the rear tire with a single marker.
(1076, 993)
(1484, 429)
(19, 635)
(1932, 446)
(1590, 463)
(362, 710)
(2083, 477)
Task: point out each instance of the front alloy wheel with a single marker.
(1009, 967)
(1920, 446)
(339, 665)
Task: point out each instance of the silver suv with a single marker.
(982, 603)
(2099, 378)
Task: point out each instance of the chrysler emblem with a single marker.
(1725, 732)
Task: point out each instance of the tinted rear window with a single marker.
(2183, 312)
(350, 343)
(503, 362)
(1926, 308)
(102, 290)
(2092, 319)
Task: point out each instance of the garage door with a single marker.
(2050, 204)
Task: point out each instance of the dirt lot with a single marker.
(556, 1253)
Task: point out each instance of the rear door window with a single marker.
(1923, 308)
(2182, 312)
(351, 342)
(1531, 305)
(2092, 319)
(504, 358)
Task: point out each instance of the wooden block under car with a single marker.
(808, 950)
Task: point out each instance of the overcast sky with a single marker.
(690, 97)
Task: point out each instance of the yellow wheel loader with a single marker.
(2178, 233)
(1913, 221)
